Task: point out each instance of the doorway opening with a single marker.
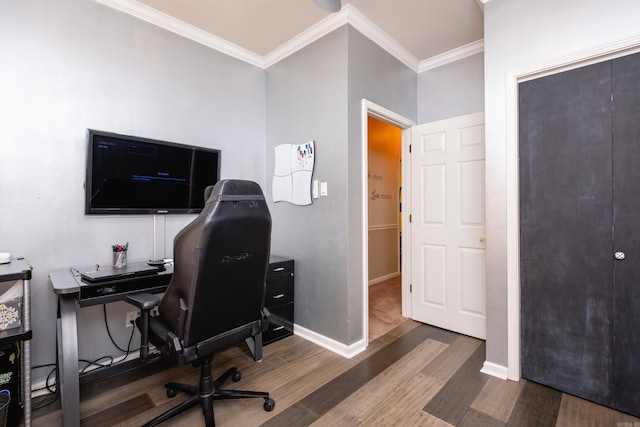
(386, 234)
(384, 195)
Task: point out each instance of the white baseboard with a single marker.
(330, 344)
(383, 278)
(494, 370)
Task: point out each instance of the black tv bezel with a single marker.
(90, 210)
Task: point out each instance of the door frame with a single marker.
(512, 78)
(370, 109)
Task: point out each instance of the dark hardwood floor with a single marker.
(412, 375)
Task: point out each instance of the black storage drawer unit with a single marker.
(279, 299)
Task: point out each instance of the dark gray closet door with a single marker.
(566, 246)
(626, 217)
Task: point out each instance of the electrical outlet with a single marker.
(131, 317)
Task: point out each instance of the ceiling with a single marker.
(258, 29)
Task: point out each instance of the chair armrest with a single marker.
(143, 301)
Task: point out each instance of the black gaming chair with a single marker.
(216, 295)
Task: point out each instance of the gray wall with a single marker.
(520, 33)
(306, 100)
(316, 94)
(451, 90)
(379, 77)
(70, 65)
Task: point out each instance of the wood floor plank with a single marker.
(369, 398)
(453, 401)
(118, 413)
(403, 328)
(498, 398)
(579, 412)
(337, 390)
(152, 386)
(423, 419)
(374, 346)
(296, 351)
(333, 392)
(292, 381)
(537, 406)
(401, 407)
(446, 364)
(473, 418)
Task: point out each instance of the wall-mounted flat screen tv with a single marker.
(133, 175)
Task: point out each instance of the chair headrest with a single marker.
(232, 190)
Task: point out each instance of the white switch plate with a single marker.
(323, 188)
(315, 189)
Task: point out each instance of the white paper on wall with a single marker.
(292, 173)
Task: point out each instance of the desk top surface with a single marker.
(69, 281)
(17, 269)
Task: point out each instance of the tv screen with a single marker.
(132, 175)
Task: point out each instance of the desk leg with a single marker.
(68, 381)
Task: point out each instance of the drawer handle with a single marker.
(278, 328)
(278, 296)
(278, 269)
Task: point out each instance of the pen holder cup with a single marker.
(119, 259)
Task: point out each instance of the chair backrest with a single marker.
(220, 264)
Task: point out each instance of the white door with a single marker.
(448, 224)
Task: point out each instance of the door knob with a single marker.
(619, 255)
(483, 239)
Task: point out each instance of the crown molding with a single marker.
(452, 55)
(306, 37)
(348, 15)
(162, 20)
(382, 39)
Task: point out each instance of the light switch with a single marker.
(323, 188)
(314, 191)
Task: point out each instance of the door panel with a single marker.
(448, 271)
(472, 266)
(434, 270)
(565, 237)
(626, 221)
(433, 182)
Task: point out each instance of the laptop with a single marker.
(109, 272)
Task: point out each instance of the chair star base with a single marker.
(206, 393)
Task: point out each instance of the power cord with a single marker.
(106, 324)
(51, 386)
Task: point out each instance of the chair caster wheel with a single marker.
(269, 404)
(171, 393)
(237, 375)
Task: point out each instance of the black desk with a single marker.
(73, 293)
(20, 270)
